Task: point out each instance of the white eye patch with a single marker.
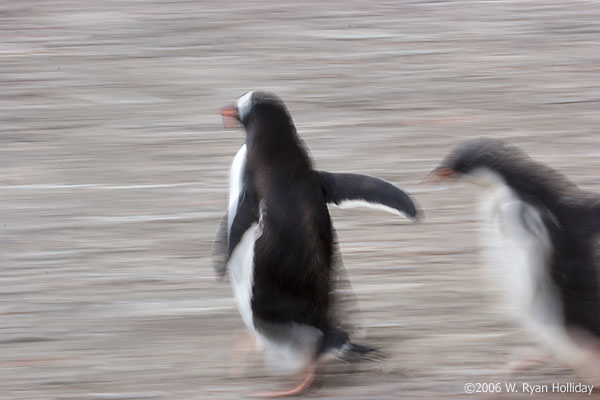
(244, 105)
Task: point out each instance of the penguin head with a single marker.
(253, 105)
(478, 161)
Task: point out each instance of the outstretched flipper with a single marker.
(220, 251)
(351, 190)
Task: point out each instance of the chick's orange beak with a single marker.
(231, 118)
(440, 174)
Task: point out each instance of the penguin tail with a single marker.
(352, 352)
(338, 344)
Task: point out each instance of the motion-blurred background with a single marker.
(114, 167)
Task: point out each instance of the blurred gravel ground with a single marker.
(113, 176)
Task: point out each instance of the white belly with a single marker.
(518, 255)
(241, 273)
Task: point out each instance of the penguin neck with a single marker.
(276, 147)
(529, 181)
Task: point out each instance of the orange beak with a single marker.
(231, 118)
(440, 174)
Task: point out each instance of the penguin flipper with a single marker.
(350, 190)
(246, 215)
(228, 237)
(220, 253)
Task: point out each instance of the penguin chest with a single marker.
(241, 273)
(518, 250)
(236, 183)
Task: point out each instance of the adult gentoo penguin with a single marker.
(545, 241)
(277, 240)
